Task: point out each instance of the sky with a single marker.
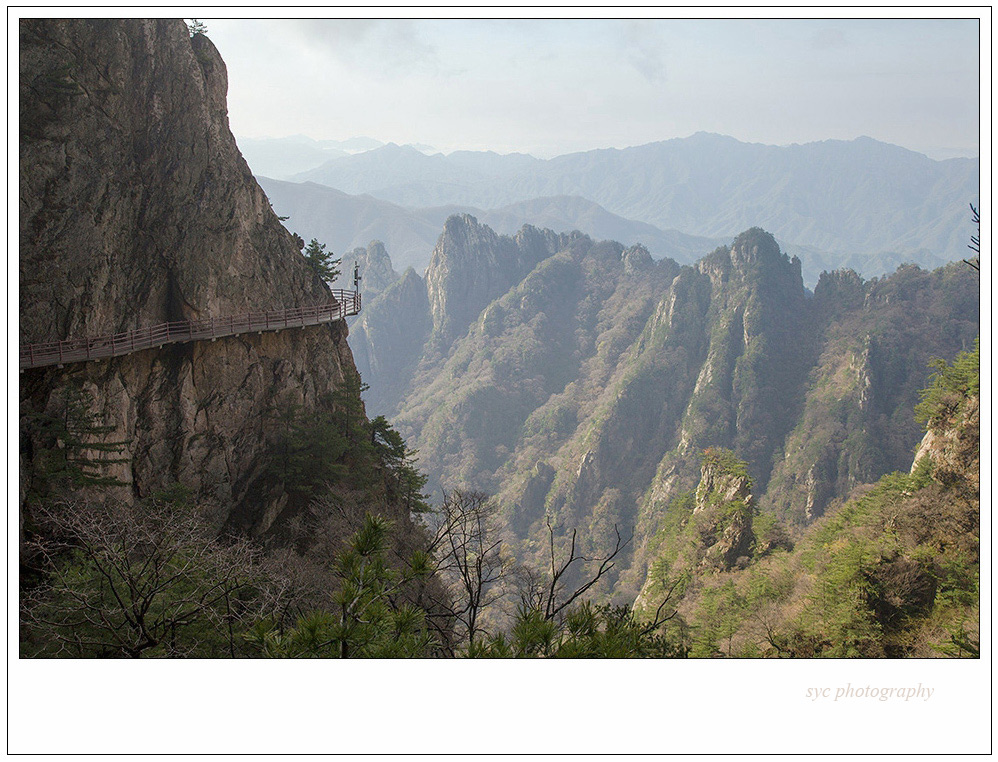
(548, 87)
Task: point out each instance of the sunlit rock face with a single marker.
(137, 208)
(135, 204)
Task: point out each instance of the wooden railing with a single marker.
(81, 350)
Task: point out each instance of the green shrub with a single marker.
(951, 385)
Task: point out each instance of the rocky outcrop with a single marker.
(375, 268)
(136, 208)
(722, 515)
(471, 265)
(952, 448)
(712, 531)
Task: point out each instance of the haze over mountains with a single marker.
(861, 204)
(345, 221)
(284, 157)
(707, 434)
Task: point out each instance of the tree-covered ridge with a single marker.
(895, 571)
(588, 391)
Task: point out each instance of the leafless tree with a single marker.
(124, 582)
(468, 548)
(553, 599)
(466, 541)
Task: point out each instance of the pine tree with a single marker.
(368, 619)
(322, 261)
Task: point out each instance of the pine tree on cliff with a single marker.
(322, 261)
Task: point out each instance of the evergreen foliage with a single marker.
(367, 620)
(336, 444)
(323, 262)
(587, 631)
(952, 383)
(722, 460)
(405, 482)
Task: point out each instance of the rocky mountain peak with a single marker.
(471, 265)
(376, 270)
(637, 259)
(754, 256)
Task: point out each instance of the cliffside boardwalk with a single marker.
(112, 345)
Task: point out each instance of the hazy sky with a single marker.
(551, 87)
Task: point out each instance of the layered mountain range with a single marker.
(860, 204)
(347, 221)
(580, 381)
(849, 196)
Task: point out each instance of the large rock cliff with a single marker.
(136, 208)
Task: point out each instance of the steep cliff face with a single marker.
(875, 340)
(471, 265)
(953, 449)
(136, 208)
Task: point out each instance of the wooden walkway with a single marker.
(82, 350)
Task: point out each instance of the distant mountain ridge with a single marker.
(847, 197)
(345, 222)
(288, 156)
